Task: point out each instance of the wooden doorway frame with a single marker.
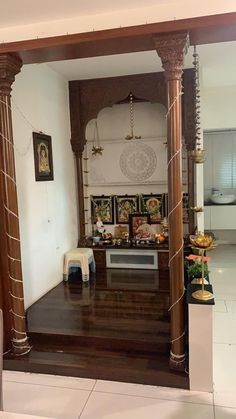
(202, 30)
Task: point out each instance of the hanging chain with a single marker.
(131, 136)
(197, 98)
(131, 115)
(97, 149)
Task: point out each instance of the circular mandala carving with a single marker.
(138, 162)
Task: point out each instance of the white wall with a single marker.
(218, 107)
(48, 215)
(113, 17)
(218, 112)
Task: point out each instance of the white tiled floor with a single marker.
(72, 398)
(223, 278)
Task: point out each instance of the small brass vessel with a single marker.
(198, 155)
(97, 149)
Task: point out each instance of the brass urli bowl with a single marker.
(201, 240)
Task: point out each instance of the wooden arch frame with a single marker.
(89, 97)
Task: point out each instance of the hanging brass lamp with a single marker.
(132, 136)
(97, 149)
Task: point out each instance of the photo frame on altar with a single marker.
(43, 161)
(139, 226)
(153, 205)
(102, 207)
(126, 205)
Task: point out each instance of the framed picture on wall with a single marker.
(139, 226)
(126, 205)
(43, 161)
(153, 205)
(102, 207)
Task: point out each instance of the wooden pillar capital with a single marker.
(171, 48)
(10, 65)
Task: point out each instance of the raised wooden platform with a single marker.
(115, 328)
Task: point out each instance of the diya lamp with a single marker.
(202, 242)
(160, 238)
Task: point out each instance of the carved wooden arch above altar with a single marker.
(89, 97)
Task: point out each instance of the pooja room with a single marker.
(95, 176)
(113, 200)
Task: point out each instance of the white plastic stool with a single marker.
(82, 258)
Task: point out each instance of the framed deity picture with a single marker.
(43, 161)
(153, 205)
(139, 226)
(126, 205)
(102, 207)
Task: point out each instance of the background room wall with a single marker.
(218, 113)
(48, 214)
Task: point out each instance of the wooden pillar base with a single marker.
(177, 362)
(21, 346)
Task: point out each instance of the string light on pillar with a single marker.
(198, 153)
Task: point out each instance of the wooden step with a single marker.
(160, 345)
(104, 365)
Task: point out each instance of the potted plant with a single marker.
(195, 271)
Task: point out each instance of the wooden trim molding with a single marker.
(202, 30)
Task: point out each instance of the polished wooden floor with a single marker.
(115, 327)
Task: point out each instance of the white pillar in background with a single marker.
(199, 188)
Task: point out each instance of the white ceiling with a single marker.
(218, 64)
(19, 12)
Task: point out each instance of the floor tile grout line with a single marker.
(46, 385)
(214, 410)
(153, 398)
(86, 402)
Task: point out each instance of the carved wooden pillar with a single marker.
(80, 186)
(78, 142)
(10, 65)
(171, 49)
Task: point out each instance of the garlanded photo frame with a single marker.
(153, 204)
(102, 207)
(126, 205)
(43, 161)
(139, 225)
